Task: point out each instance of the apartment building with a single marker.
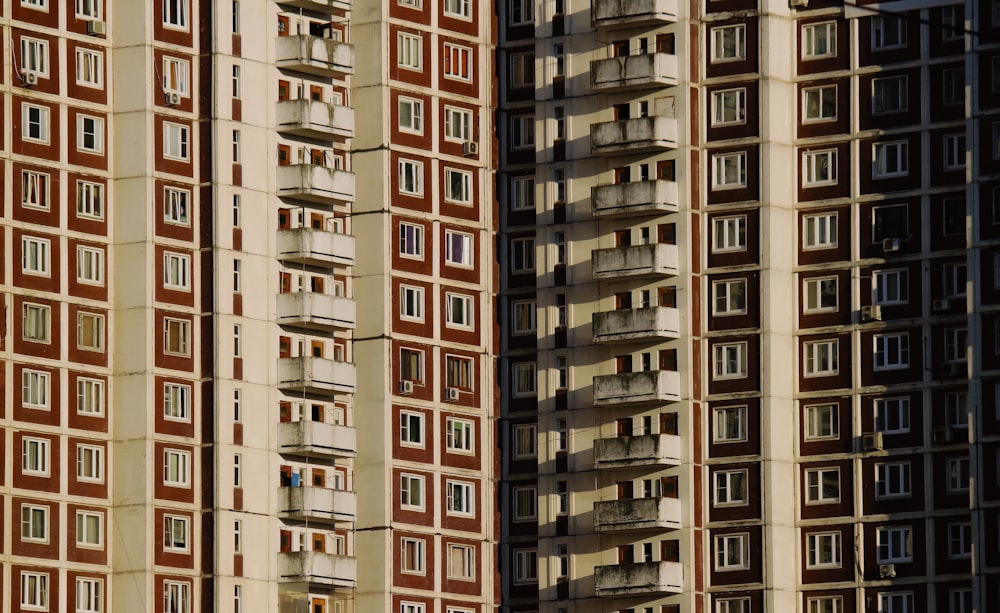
(748, 304)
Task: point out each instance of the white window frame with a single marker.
(460, 435)
(895, 602)
(730, 488)
(959, 541)
(893, 480)
(732, 552)
(819, 484)
(85, 527)
(892, 415)
(890, 287)
(524, 379)
(825, 604)
(823, 550)
(34, 590)
(890, 95)
(815, 290)
(35, 123)
(822, 422)
(729, 170)
(457, 186)
(891, 159)
(412, 120)
(524, 440)
(35, 456)
(35, 523)
(729, 234)
(729, 107)
(819, 167)
(411, 241)
(176, 596)
(34, 57)
(816, 103)
(460, 9)
(89, 68)
(92, 10)
(522, 317)
(176, 533)
(175, 15)
(522, 132)
(406, 483)
(176, 206)
(90, 331)
(893, 544)
(957, 470)
(36, 256)
(956, 342)
(459, 311)
(459, 249)
(176, 141)
(89, 265)
(35, 189)
(729, 297)
(522, 255)
(35, 389)
(456, 62)
(892, 351)
(89, 463)
(177, 404)
(176, 76)
(525, 566)
(954, 152)
(730, 424)
(821, 358)
(411, 429)
(89, 396)
(411, 303)
(457, 124)
(36, 322)
(177, 468)
(524, 501)
(730, 360)
(460, 498)
(89, 594)
(522, 12)
(461, 558)
(177, 271)
(956, 276)
(888, 32)
(729, 43)
(819, 40)
(411, 177)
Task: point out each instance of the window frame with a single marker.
(406, 481)
(815, 47)
(177, 468)
(722, 163)
(814, 173)
(89, 463)
(820, 362)
(720, 357)
(461, 318)
(721, 115)
(730, 488)
(725, 301)
(722, 416)
(820, 92)
(727, 228)
(732, 552)
(822, 422)
(460, 498)
(901, 359)
(818, 484)
(820, 543)
(415, 115)
(721, 44)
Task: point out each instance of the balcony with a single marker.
(312, 247)
(639, 135)
(633, 13)
(634, 198)
(315, 119)
(636, 324)
(316, 311)
(318, 568)
(316, 376)
(318, 504)
(633, 72)
(327, 7)
(317, 439)
(645, 578)
(654, 259)
(644, 450)
(637, 514)
(315, 55)
(314, 183)
(654, 386)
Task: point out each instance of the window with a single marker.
(890, 95)
(411, 365)
(525, 565)
(411, 429)
(35, 323)
(34, 389)
(819, 104)
(730, 487)
(960, 540)
(460, 498)
(35, 523)
(729, 297)
(888, 32)
(730, 360)
(730, 424)
(729, 233)
(177, 402)
(89, 594)
(525, 503)
(40, 5)
(522, 12)
(894, 544)
(892, 351)
(411, 489)
(35, 456)
(89, 9)
(892, 415)
(825, 604)
(457, 186)
(819, 40)
(35, 590)
(411, 241)
(523, 316)
(461, 562)
(822, 357)
(890, 287)
(731, 552)
(820, 294)
(458, 8)
(459, 311)
(176, 468)
(729, 107)
(176, 76)
(954, 279)
(35, 256)
(35, 123)
(523, 375)
(960, 601)
(459, 435)
(459, 372)
(892, 479)
(729, 43)
(522, 132)
(89, 265)
(822, 422)
(522, 70)
(90, 199)
(522, 193)
(34, 56)
(954, 151)
(458, 248)
(176, 271)
(411, 115)
(819, 167)
(90, 463)
(952, 23)
(176, 597)
(953, 84)
(822, 485)
(457, 62)
(524, 441)
(175, 14)
(953, 216)
(411, 303)
(895, 602)
(89, 332)
(729, 170)
(175, 206)
(457, 124)
(89, 527)
(175, 141)
(89, 134)
(175, 533)
(956, 409)
(956, 340)
(34, 189)
(891, 159)
(823, 550)
(522, 255)
(410, 607)
(411, 175)
(89, 396)
(732, 605)
(958, 475)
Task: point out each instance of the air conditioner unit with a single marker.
(951, 369)
(470, 148)
(28, 79)
(872, 441)
(172, 98)
(96, 28)
(942, 435)
(887, 571)
(405, 387)
(890, 244)
(451, 393)
(871, 313)
(941, 305)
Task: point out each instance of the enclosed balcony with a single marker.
(646, 578)
(639, 135)
(327, 7)
(316, 311)
(648, 387)
(315, 55)
(317, 439)
(637, 514)
(634, 198)
(318, 568)
(633, 72)
(315, 119)
(654, 259)
(319, 504)
(314, 183)
(633, 13)
(643, 450)
(636, 324)
(313, 247)
(311, 375)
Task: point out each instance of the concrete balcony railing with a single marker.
(327, 7)
(639, 135)
(637, 514)
(318, 568)
(317, 439)
(639, 579)
(632, 13)
(632, 72)
(316, 376)
(316, 311)
(644, 450)
(317, 504)
(634, 198)
(315, 119)
(314, 247)
(647, 387)
(634, 324)
(635, 261)
(314, 183)
(315, 55)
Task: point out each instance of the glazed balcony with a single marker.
(317, 504)
(633, 13)
(316, 311)
(637, 514)
(315, 183)
(317, 439)
(327, 7)
(315, 119)
(636, 324)
(315, 55)
(643, 450)
(318, 568)
(646, 578)
(639, 135)
(311, 375)
(648, 387)
(653, 259)
(634, 198)
(633, 72)
(313, 247)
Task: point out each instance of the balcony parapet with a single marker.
(647, 387)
